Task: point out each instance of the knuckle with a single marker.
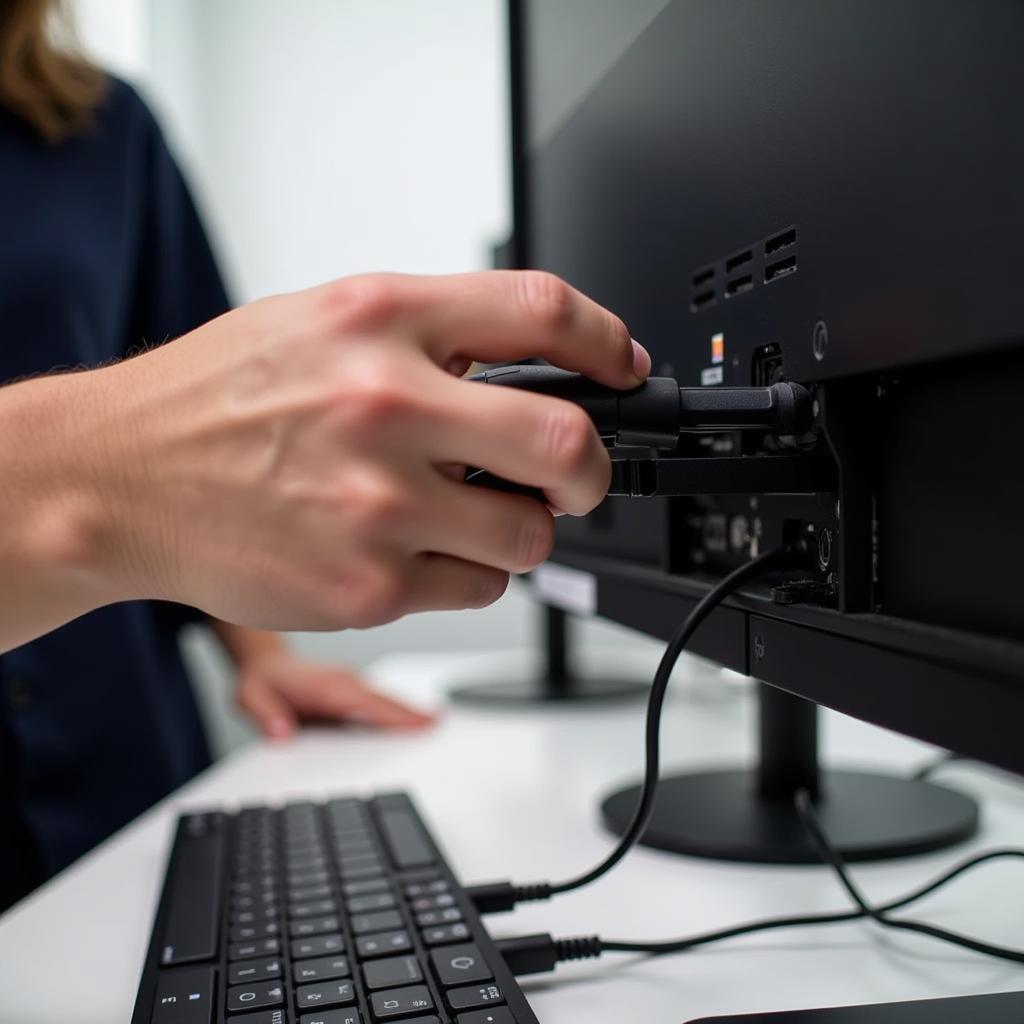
(487, 589)
(365, 301)
(568, 437)
(534, 541)
(377, 508)
(373, 397)
(547, 299)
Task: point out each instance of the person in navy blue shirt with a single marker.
(296, 463)
(102, 253)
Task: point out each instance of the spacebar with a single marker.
(194, 899)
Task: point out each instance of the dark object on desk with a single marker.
(695, 167)
(558, 680)
(340, 913)
(1006, 1008)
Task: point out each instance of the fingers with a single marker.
(529, 439)
(501, 315)
(341, 696)
(270, 712)
(444, 583)
(505, 531)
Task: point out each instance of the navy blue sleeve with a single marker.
(178, 286)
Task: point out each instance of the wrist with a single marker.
(249, 647)
(58, 540)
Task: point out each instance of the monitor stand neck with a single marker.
(557, 680)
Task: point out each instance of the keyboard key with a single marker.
(257, 916)
(252, 884)
(308, 892)
(405, 839)
(255, 997)
(471, 997)
(363, 888)
(320, 945)
(349, 1016)
(252, 932)
(332, 993)
(324, 968)
(438, 902)
(348, 861)
(445, 934)
(316, 926)
(366, 904)
(382, 922)
(248, 950)
(394, 971)
(194, 899)
(382, 944)
(459, 965)
(184, 997)
(298, 879)
(248, 971)
(313, 909)
(417, 889)
(400, 1002)
(277, 1016)
(430, 918)
(497, 1015)
(370, 871)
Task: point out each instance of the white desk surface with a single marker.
(515, 794)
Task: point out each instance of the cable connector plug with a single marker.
(540, 953)
(499, 897)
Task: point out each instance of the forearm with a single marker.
(57, 551)
(245, 645)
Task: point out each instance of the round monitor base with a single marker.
(518, 692)
(867, 816)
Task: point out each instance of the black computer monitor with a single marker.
(828, 192)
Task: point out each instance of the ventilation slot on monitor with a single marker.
(780, 268)
(738, 285)
(701, 277)
(783, 240)
(741, 259)
(702, 300)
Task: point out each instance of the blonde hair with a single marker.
(42, 80)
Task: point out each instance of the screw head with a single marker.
(819, 340)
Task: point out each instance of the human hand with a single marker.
(279, 690)
(290, 464)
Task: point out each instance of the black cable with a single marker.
(776, 559)
(833, 857)
(494, 897)
(536, 953)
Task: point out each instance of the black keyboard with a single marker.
(336, 913)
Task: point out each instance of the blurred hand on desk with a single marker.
(279, 690)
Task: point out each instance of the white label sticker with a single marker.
(568, 589)
(711, 375)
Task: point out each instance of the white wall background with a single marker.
(323, 138)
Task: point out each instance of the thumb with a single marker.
(268, 710)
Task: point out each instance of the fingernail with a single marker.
(555, 511)
(641, 360)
